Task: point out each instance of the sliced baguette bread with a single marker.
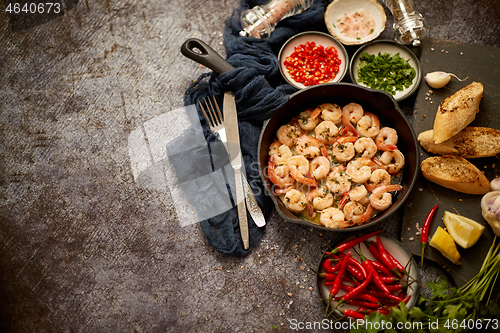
(457, 111)
(456, 173)
(471, 142)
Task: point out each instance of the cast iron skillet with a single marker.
(376, 101)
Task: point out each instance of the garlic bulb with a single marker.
(490, 206)
(438, 79)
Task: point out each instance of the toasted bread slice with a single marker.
(456, 173)
(457, 111)
(471, 142)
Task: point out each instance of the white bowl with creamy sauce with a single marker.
(355, 22)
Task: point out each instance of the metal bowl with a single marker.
(378, 102)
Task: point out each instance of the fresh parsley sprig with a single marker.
(385, 72)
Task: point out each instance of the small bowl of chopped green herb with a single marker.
(387, 66)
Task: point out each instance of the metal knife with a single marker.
(233, 140)
(252, 205)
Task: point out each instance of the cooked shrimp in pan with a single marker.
(306, 122)
(287, 135)
(295, 200)
(299, 168)
(326, 132)
(395, 160)
(381, 199)
(338, 181)
(334, 218)
(330, 112)
(319, 167)
(336, 166)
(366, 147)
(368, 125)
(387, 139)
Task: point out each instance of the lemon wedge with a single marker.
(464, 231)
(442, 241)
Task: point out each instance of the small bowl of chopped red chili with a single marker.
(311, 58)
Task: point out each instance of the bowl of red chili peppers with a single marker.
(311, 58)
(364, 273)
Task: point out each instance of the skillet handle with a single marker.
(207, 56)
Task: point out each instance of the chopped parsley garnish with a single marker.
(385, 72)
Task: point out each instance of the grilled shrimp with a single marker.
(343, 152)
(306, 122)
(299, 168)
(395, 160)
(381, 199)
(280, 152)
(378, 178)
(334, 218)
(359, 169)
(319, 199)
(329, 111)
(338, 181)
(295, 200)
(387, 139)
(279, 176)
(319, 167)
(326, 132)
(351, 114)
(368, 125)
(287, 135)
(310, 147)
(366, 147)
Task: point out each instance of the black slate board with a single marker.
(478, 63)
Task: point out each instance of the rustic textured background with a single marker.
(85, 248)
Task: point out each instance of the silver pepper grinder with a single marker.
(260, 21)
(410, 27)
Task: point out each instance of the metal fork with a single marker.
(215, 120)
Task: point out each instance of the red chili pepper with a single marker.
(353, 242)
(381, 268)
(371, 270)
(363, 303)
(338, 280)
(327, 276)
(373, 249)
(407, 298)
(357, 290)
(388, 279)
(385, 295)
(355, 263)
(425, 231)
(327, 265)
(386, 258)
(392, 287)
(363, 296)
(352, 314)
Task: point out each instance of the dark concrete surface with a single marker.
(84, 247)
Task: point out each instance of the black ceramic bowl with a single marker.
(378, 102)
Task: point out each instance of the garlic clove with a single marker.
(437, 80)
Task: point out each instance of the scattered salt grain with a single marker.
(411, 239)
